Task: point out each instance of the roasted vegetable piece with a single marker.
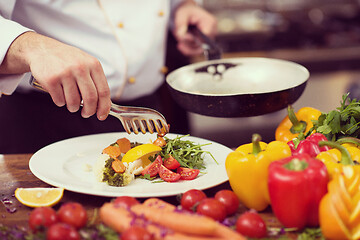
(339, 210)
(296, 124)
(296, 186)
(338, 156)
(247, 169)
(310, 145)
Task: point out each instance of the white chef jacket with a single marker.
(128, 37)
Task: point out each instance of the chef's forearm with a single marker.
(15, 61)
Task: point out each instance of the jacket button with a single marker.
(132, 80)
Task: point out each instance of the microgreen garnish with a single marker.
(186, 152)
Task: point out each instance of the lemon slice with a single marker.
(142, 152)
(39, 197)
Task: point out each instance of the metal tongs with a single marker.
(132, 118)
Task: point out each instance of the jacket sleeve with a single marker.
(9, 30)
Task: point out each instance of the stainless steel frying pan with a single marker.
(237, 87)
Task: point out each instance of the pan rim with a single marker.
(171, 77)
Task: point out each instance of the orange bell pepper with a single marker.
(339, 210)
(296, 124)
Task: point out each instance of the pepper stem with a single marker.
(297, 126)
(296, 165)
(256, 138)
(352, 140)
(345, 155)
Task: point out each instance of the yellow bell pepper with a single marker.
(296, 123)
(339, 209)
(247, 169)
(338, 156)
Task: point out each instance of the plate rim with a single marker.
(168, 193)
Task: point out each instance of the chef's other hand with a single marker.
(188, 13)
(69, 74)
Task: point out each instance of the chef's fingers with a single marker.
(56, 91)
(190, 48)
(72, 95)
(89, 96)
(103, 92)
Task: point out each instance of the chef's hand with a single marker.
(69, 74)
(188, 13)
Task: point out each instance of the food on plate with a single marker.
(296, 185)
(339, 209)
(296, 124)
(39, 197)
(169, 159)
(247, 169)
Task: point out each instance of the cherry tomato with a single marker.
(212, 208)
(42, 217)
(188, 173)
(136, 233)
(153, 168)
(171, 163)
(251, 224)
(191, 198)
(73, 213)
(62, 231)
(229, 199)
(125, 201)
(167, 175)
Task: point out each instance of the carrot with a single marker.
(118, 166)
(160, 142)
(157, 203)
(112, 151)
(119, 219)
(185, 222)
(124, 144)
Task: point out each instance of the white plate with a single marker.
(66, 164)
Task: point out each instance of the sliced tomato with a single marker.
(171, 163)
(188, 173)
(153, 168)
(168, 175)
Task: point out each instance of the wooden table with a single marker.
(15, 172)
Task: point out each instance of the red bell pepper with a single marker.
(310, 145)
(296, 186)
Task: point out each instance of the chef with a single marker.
(85, 50)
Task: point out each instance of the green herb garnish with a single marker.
(344, 121)
(186, 152)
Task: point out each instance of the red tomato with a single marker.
(171, 163)
(191, 198)
(188, 173)
(168, 175)
(42, 217)
(62, 231)
(229, 199)
(125, 201)
(251, 224)
(73, 213)
(153, 168)
(136, 233)
(212, 208)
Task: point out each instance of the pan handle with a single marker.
(211, 50)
